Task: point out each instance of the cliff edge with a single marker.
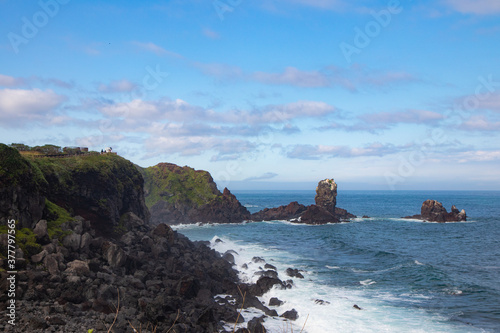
(177, 195)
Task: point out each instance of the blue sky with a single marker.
(273, 94)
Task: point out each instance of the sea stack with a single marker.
(326, 195)
(324, 210)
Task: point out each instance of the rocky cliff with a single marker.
(22, 189)
(177, 195)
(101, 188)
(87, 256)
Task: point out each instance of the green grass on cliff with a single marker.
(110, 169)
(175, 184)
(15, 169)
(25, 240)
(56, 216)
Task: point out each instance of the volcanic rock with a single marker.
(326, 195)
(433, 211)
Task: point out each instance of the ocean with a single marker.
(405, 275)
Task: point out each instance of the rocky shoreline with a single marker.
(90, 255)
(158, 276)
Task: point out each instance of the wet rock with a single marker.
(274, 301)
(255, 325)
(269, 273)
(269, 266)
(321, 302)
(291, 272)
(229, 257)
(291, 315)
(258, 260)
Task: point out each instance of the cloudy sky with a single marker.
(272, 94)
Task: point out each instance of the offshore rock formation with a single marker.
(433, 211)
(326, 195)
(324, 211)
(178, 195)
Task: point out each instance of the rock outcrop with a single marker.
(73, 269)
(155, 274)
(324, 211)
(291, 211)
(433, 211)
(326, 195)
(178, 195)
(22, 188)
(103, 189)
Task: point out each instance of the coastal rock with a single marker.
(326, 195)
(323, 212)
(290, 315)
(21, 189)
(344, 215)
(291, 211)
(255, 325)
(112, 254)
(433, 211)
(275, 302)
(293, 272)
(318, 215)
(178, 195)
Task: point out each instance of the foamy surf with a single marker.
(326, 308)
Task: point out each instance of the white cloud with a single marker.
(481, 7)
(158, 50)
(267, 175)
(9, 81)
(409, 117)
(18, 106)
(314, 152)
(118, 86)
(479, 156)
(294, 77)
(480, 123)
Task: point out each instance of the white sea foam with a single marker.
(336, 313)
(367, 282)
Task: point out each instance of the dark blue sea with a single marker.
(405, 275)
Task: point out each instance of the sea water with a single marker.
(405, 275)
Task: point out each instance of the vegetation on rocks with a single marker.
(175, 184)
